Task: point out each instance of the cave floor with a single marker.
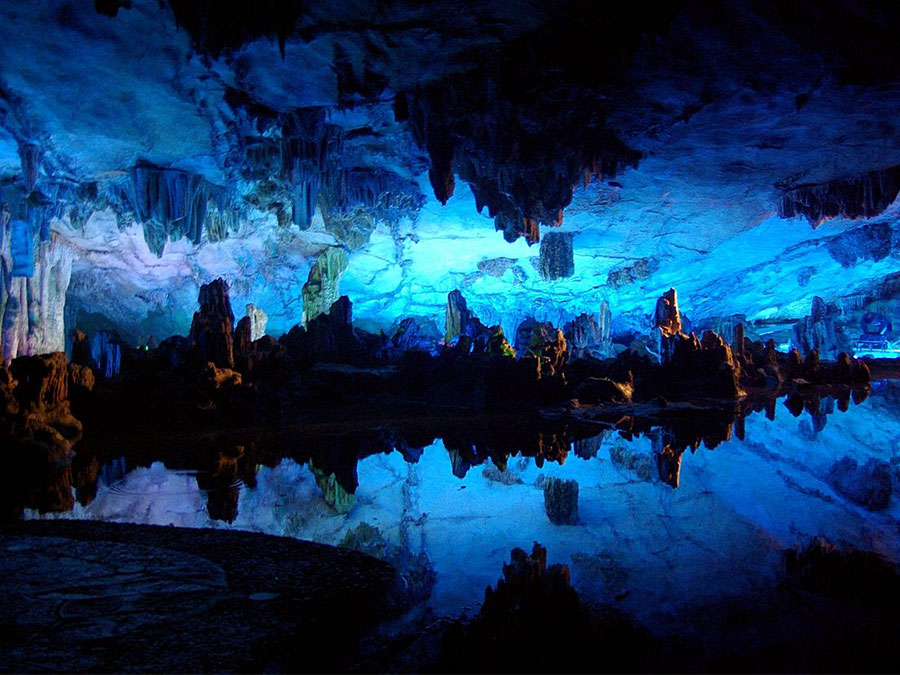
(106, 597)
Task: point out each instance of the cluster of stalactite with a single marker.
(289, 164)
(171, 204)
(35, 269)
(298, 166)
(521, 150)
(863, 196)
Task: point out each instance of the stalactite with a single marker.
(171, 204)
(30, 156)
(557, 260)
(32, 307)
(863, 196)
(106, 352)
(504, 149)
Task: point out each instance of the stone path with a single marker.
(101, 597)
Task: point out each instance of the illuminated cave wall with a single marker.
(155, 157)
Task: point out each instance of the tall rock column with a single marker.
(668, 323)
(258, 321)
(322, 287)
(32, 293)
(212, 330)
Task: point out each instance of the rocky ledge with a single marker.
(106, 597)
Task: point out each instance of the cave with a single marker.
(317, 317)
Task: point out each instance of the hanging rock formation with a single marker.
(171, 204)
(862, 196)
(530, 597)
(625, 276)
(872, 241)
(557, 259)
(33, 297)
(868, 485)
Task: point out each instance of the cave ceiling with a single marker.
(745, 152)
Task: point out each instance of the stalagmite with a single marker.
(212, 330)
(258, 321)
(322, 287)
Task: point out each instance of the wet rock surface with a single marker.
(104, 597)
(868, 485)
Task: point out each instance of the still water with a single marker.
(663, 528)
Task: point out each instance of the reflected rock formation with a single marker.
(511, 626)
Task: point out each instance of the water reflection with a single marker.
(221, 472)
(674, 504)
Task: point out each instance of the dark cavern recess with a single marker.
(318, 317)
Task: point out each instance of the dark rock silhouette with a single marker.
(212, 330)
(861, 196)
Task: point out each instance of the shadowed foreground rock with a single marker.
(101, 597)
(529, 604)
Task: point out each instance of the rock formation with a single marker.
(588, 334)
(171, 204)
(460, 320)
(413, 333)
(322, 288)
(557, 256)
(667, 320)
(327, 338)
(106, 353)
(862, 196)
(847, 575)
(37, 429)
(258, 321)
(625, 276)
(530, 597)
(32, 295)
(212, 330)
(334, 494)
(820, 331)
(561, 501)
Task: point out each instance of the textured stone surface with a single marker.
(105, 597)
